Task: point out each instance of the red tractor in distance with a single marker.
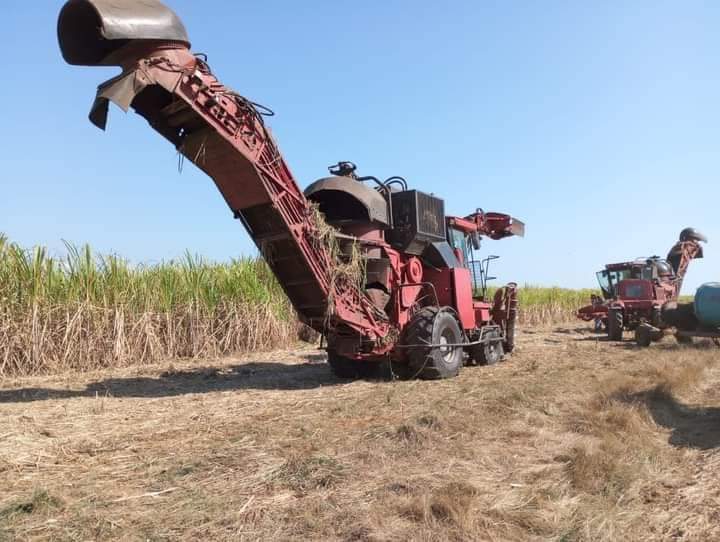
(375, 267)
(634, 292)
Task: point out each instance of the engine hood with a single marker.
(344, 198)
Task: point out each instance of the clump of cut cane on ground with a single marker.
(304, 473)
(450, 504)
(39, 501)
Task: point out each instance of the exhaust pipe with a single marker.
(94, 32)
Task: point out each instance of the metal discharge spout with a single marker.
(94, 32)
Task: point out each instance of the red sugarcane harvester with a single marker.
(634, 293)
(413, 305)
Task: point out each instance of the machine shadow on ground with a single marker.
(248, 376)
(691, 426)
(583, 330)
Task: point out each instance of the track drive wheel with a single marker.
(434, 326)
(347, 368)
(615, 324)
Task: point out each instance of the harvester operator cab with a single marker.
(650, 269)
(460, 243)
(610, 277)
(464, 238)
(608, 281)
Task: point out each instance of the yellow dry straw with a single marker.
(347, 268)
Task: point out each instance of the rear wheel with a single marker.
(343, 367)
(393, 370)
(434, 327)
(615, 324)
(492, 351)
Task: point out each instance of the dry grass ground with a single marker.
(572, 439)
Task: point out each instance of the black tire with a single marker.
(615, 324)
(490, 352)
(643, 336)
(433, 326)
(368, 369)
(341, 366)
(395, 370)
(347, 368)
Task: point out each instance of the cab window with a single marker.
(647, 272)
(606, 286)
(458, 240)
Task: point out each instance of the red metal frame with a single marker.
(493, 225)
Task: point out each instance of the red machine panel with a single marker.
(635, 289)
(462, 296)
(441, 280)
(482, 312)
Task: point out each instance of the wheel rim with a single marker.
(446, 351)
(491, 353)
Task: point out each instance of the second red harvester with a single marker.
(635, 292)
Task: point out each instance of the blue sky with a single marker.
(594, 122)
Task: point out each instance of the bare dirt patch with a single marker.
(573, 438)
